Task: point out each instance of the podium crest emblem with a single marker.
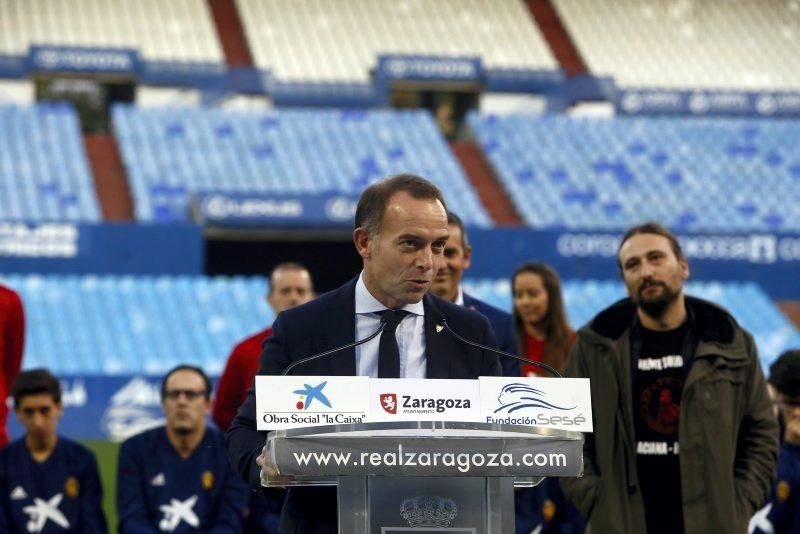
(429, 511)
(389, 402)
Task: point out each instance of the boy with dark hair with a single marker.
(177, 478)
(47, 482)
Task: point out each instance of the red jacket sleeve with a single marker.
(13, 335)
(12, 344)
(231, 391)
(237, 378)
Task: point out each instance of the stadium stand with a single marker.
(114, 325)
(178, 30)
(342, 40)
(690, 174)
(169, 153)
(44, 175)
(146, 299)
(125, 324)
(713, 44)
(746, 301)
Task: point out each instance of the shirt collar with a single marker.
(366, 303)
(459, 297)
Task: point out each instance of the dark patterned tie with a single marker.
(388, 351)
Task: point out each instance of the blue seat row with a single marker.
(44, 173)
(692, 174)
(111, 325)
(172, 152)
(750, 305)
(119, 325)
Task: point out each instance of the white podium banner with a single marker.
(284, 402)
(299, 401)
(559, 403)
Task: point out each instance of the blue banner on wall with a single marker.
(127, 62)
(13, 66)
(258, 210)
(105, 407)
(429, 68)
(523, 81)
(77, 59)
(698, 102)
(63, 248)
(328, 94)
(770, 260)
(184, 73)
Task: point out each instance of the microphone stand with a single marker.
(337, 349)
(543, 365)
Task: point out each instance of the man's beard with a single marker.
(183, 430)
(655, 306)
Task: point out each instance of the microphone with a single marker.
(548, 368)
(337, 349)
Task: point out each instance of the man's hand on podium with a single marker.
(269, 472)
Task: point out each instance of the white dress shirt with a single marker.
(410, 335)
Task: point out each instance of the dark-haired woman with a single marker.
(540, 319)
(543, 335)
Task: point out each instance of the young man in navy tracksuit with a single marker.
(177, 478)
(48, 484)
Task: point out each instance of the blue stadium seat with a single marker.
(172, 152)
(696, 174)
(123, 324)
(44, 173)
(746, 301)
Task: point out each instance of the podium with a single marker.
(424, 477)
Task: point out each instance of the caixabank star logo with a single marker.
(311, 393)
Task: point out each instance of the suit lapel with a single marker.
(340, 329)
(436, 343)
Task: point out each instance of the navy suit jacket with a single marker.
(328, 322)
(503, 326)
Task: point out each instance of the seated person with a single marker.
(177, 478)
(47, 482)
(782, 513)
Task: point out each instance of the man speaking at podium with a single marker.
(400, 233)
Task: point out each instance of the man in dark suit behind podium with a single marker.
(401, 231)
(447, 284)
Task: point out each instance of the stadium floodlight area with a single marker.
(172, 152)
(129, 325)
(712, 44)
(750, 305)
(318, 40)
(175, 30)
(118, 325)
(44, 173)
(713, 175)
